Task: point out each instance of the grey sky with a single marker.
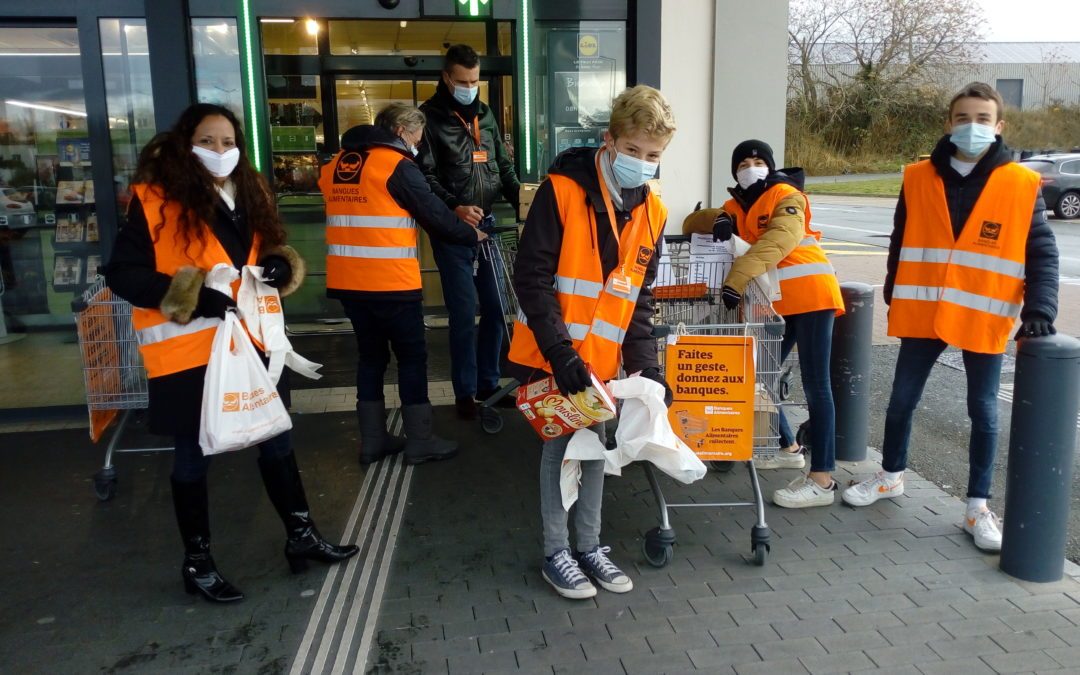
(1031, 20)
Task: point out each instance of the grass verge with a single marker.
(878, 187)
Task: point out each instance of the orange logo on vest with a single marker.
(231, 402)
(348, 168)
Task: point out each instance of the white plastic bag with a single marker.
(644, 434)
(260, 307)
(240, 406)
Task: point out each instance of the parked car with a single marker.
(16, 209)
(1060, 182)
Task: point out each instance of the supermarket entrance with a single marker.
(324, 77)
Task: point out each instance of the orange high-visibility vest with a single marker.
(371, 240)
(807, 278)
(965, 291)
(168, 347)
(594, 309)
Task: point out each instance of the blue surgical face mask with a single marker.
(632, 172)
(465, 95)
(972, 139)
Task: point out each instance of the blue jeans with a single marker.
(586, 508)
(190, 465)
(812, 331)
(913, 364)
(474, 351)
(381, 326)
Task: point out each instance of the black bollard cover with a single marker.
(850, 371)
(1042, 440)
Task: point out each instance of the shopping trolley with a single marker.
(499, 251)
(687, 298)
(112, 372)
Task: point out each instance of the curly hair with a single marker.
(168, 163)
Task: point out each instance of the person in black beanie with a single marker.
(769, 210)
(466, 165)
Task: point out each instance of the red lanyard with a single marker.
(474, 128)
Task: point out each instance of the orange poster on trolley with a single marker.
(712, 379)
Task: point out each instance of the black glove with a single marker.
(571, 374)
(722, 227)
(1035, 328)
(213, 304)
(276, 271)
(654, 375)
(731, 297)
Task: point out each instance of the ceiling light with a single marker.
(403, 24)
(46, 108)
(277, 20)
(312, 26)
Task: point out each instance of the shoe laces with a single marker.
(567, 567)
(598, 559)
(988, 519)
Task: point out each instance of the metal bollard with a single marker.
(1042, 440)
(850, 371)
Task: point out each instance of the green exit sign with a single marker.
(473, 7)
(292, 139)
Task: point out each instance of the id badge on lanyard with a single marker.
(619, 283)
(479, 155)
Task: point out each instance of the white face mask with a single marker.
(219, 166)
(751, 175)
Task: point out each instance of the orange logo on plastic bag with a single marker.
(231, 402)
(269, 304)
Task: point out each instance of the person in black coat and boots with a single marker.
(194, 189)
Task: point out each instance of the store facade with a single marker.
(84, 85)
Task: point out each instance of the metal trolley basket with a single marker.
(499, 252)
(112, 372)
(687, 297)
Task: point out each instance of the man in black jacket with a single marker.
(963, 162)
(467, 167)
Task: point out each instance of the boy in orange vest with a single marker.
(970, 246)
(583, 276)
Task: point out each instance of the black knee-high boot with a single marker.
(199, 572)
(286, 491)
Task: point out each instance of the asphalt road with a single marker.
(860, 226)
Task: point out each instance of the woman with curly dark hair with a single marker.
(197, 201)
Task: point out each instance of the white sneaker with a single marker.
(872, 489)
(986, 528)
(802, 493)
(781, 459)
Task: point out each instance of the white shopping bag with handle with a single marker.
(241, 406)
(260, 307)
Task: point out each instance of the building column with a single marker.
(172, 72)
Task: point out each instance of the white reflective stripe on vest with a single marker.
(381, 222)
(979, 261)
(582, 287)
(927, 293)
(522, 318)
(990, 263)
(980, 303)
(381, 252)
(577, 331)
(925, 255)
(171, 329)
(608, 331)
(803, 270)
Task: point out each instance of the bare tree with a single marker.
(896, 43)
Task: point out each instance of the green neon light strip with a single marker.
(527, 76)
(253, 132)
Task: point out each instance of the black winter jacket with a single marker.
(538, 260)
(412, 192)
(175, 400)
(446, 154)
(961, 193)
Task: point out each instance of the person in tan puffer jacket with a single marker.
(769, 210)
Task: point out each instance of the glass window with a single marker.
(216, 49)
(296, 130)
(1071, 168)
(394, 38)
(506, 39)
(126, 61)
(580, 69)
(290, 36)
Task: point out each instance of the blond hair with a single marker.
(642, 109)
